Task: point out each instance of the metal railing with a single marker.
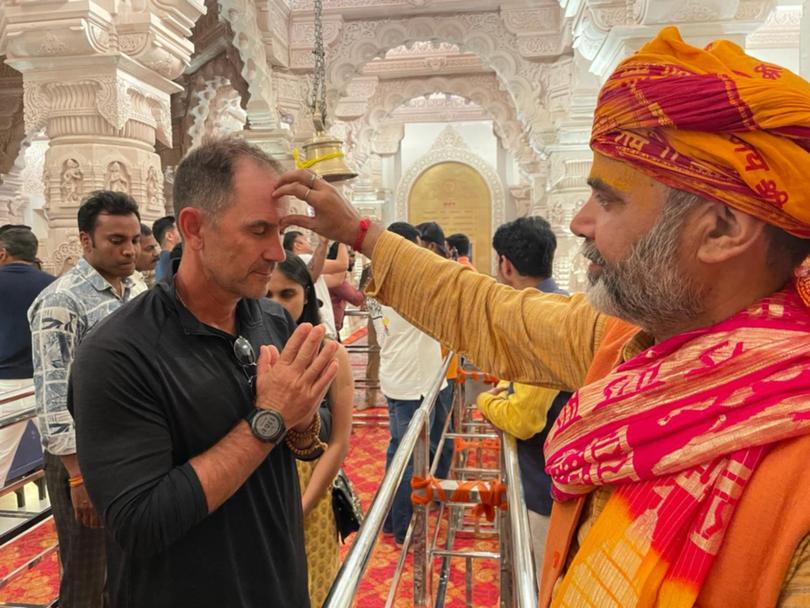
(345, 586)
(18, 406)
(518, 574)
(524, 571)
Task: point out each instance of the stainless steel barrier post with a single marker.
(422, 571)
(505, 540)
(345, 586)
(524, 570)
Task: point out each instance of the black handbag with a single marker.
(346, 506)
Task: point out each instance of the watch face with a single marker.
(267, 424)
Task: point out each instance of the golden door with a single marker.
(458, 198)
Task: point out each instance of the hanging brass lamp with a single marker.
(324, 152)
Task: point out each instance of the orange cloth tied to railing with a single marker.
(484, 377)
(474, 444)
(492, 494)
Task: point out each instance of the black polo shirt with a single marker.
(151, 387)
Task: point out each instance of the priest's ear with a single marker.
(723, 233)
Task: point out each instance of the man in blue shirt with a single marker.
(20, 282)
(168, 237)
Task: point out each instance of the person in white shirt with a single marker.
(409, 362)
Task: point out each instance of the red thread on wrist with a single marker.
(361, 235)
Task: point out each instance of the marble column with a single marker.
(99, 84)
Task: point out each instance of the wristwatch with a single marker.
(266, 425)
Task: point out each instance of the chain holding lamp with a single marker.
(324, 152)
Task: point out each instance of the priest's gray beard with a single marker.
(649, 288)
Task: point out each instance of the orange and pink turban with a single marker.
(715, 122)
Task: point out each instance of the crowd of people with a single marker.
(195, 402)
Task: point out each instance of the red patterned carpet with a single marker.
(40, 584)
(366, 466)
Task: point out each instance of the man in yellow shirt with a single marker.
(669, 461)
(525, 249)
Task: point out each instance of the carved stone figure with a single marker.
(71, 182)
(116, 178)
(522, 195)
(152, 188)
(557, 214)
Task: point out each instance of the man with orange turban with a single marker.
(679, 465)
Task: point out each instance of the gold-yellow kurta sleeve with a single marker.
(520, 335)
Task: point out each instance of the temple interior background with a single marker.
(468, 112)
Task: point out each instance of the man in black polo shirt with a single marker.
(20, 283)
(192, 472)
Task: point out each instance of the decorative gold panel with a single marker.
(458, 198)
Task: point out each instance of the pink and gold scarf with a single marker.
(678, 431)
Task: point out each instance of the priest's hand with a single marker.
(335, 218)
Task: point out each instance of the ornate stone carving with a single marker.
(449, 138)
(214, 108)
(578, 277)
(12, 204)
(482, 89)
(99, 38)
(70, 182)
(117, 178)
(608, 15)
(482, 33)
(132, 44)
(162, 117)
(753, 10)
(36, 107)
(780, 30)
(556, 216)
(113, 100)
(522, 195)
(302, 33)
(519, 20)
(388, 138)
(12, 122)
(52, 45)
(682, 11)
(154, 189)
(66, 254)
(421, 48)
(33, 179)
(247, 38)
(540, 30)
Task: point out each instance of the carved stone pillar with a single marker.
(99, 84)
(571, 99)
(570, 165)
(266, 129)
